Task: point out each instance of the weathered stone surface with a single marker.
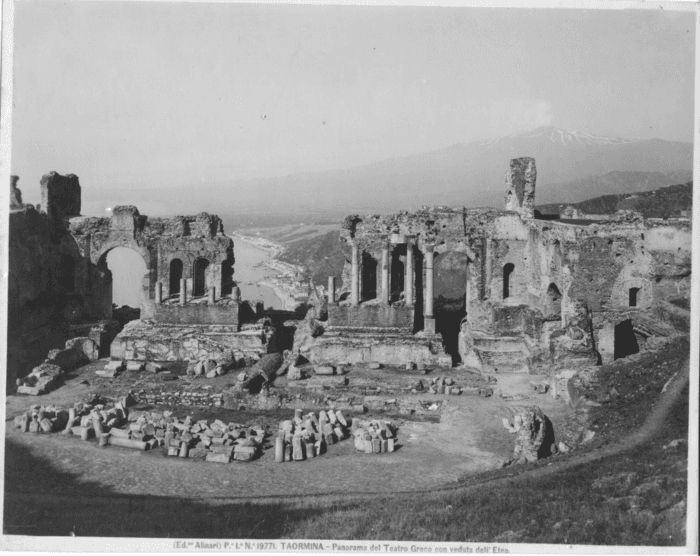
(324, 370)
(535, 436)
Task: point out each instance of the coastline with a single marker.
(282, 269)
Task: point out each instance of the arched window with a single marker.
(175, 276)
(199, 287)
(507, 271)
(634, 294)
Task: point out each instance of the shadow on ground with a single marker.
(42, 501)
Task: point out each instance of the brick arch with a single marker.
(99, 259)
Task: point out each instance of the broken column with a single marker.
(183, 291)
(520, 186)
(236, 293)
(429, 318)
(408, 277)
(385, 275)
(159, 293)
(331, 289)
(212, 295)
(355, 279)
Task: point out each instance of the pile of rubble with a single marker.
(307, 436)
(216, 441)
(447, 385)
(535, 436)
(51, 373)
(374, 437)
(113, 368)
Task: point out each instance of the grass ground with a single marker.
(593, 495)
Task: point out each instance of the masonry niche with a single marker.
(507, 272)
(369, 277)
(199, 276)
(175, 276)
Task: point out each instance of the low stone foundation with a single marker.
(378, 346)
(151, 341)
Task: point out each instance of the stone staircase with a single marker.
(386, 345)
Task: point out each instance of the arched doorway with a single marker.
(175, 276)
(199, 287)
(369, 277)
(128, 272)
(507, 271)
(553, 303)
(625, 340)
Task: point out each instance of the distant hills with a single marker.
(317, 247)
(571, 166)
(661, 203)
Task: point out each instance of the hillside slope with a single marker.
(660, 203)
(463, 174)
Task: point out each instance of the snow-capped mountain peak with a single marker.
(561, 136)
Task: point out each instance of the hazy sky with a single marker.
(152, 94)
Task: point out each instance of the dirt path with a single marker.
(425, 464)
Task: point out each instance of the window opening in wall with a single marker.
(175, 276)
(634, 293)
(369, 277)
(199, 287)
(227, 277)
(128, 273)
(507, 271)
(625, 340)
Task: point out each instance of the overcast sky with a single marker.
(152, 94)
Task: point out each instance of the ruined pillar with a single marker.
(355, 282)
(429, 318)
(212, 295)
(159, 293)
(385, 275)
(236, 293)
(488, 269)
(408, 275)
(331, 289)
(468, 290)
(183, 291)
(520, 186)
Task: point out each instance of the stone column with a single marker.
(159, 293)
(355, 283)
(212, 295)
(236, 293)
(385, 275)
(429, 318)
(488, 270)
(183, 291)
(331, 289)
(468, 290)
(408, 275)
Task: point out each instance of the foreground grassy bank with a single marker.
(634, 497)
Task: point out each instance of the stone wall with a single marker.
(370, 316)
